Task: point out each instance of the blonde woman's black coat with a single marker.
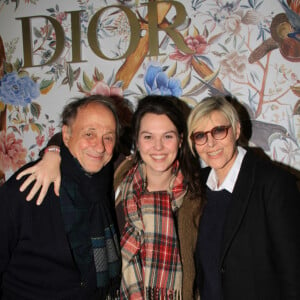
(260, 252)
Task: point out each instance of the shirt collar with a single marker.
(230, 179)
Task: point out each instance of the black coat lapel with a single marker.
(239, 202)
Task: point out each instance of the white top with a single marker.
(230, 180)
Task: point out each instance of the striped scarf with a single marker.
(85, 202)
(151, 264)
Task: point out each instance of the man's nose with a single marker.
(99, 145)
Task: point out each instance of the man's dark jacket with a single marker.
(35, 258)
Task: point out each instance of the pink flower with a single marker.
(234, 65)
(61, 16)
(197, 43)
(51, 131)
(233, 24)
(102, 88)
(12, 152)
(40, 140)
(45, 29)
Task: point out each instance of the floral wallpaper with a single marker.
(246, 48)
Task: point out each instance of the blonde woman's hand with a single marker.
(43, 173)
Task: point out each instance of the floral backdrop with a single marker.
(247, 48)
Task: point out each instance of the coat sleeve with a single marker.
(283, 215)
(8, 232)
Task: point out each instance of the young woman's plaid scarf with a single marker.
(151, 265)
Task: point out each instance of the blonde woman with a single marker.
(249, 235)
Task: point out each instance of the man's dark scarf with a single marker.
(87, 207)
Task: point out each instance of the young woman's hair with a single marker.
(177, 111)
(204, 108)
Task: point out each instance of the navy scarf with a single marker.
(87, 206)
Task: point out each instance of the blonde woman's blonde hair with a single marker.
(204, 108)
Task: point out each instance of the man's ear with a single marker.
(66, 134)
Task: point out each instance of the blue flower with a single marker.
(158, 83)
(17, 90)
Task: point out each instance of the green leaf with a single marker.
(70, 75)
(76, 73)
(87, 81)
(45, 83)
(35, 109)
(17, 4)
(36, 127)
(99, 76)
(37, 33)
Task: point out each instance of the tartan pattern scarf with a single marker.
(86, 203)
(151, 264)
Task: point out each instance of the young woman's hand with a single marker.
(43, 173)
